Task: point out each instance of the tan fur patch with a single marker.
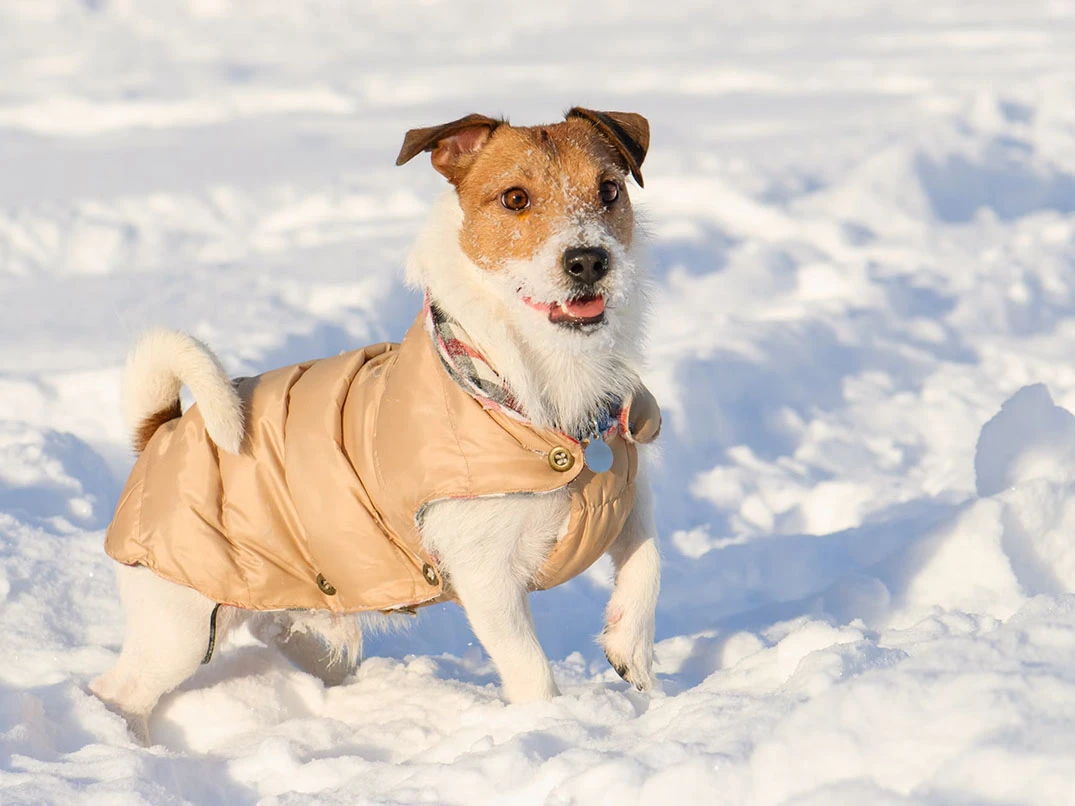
(150, 424)
(561, 168)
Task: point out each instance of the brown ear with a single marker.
(626, 131)
(454, 145)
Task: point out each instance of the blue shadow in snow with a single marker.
(1005, 180)
(704, 253)
(48, 498)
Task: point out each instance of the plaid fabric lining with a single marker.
(468, 368)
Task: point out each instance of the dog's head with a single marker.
(546, 215)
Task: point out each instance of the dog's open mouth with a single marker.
(578, 312)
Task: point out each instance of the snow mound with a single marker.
(1029, 439)
(48, 475)
(1000, 157)
(1026, 460)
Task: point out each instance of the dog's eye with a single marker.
(609, 192)
(515, 199)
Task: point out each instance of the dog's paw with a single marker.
(630, 653)
(638, 674)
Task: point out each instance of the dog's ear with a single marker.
(626, 131)
(454, 145)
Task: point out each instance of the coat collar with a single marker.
(466, 365)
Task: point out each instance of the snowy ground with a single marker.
(863, 241)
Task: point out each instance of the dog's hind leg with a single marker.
(326, 645)
(166, 638)
(629, 619)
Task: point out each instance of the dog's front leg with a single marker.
(489, 550)
(629, 620)
(499, 613)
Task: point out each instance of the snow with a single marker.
(862, 234)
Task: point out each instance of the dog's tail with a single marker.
(163, 361)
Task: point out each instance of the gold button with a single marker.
(325, 586)
(430, 573)
(560, 459)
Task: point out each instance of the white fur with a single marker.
(165, 360)
(165, 638)
(324, 644)
(629, 618)
(489, 549)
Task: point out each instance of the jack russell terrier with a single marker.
(491, 453)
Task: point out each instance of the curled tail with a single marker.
(159, 365)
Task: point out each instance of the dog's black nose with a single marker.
(587, 264)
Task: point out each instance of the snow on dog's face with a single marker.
(546, 215)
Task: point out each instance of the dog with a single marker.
(455, 466)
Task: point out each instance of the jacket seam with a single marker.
(442, 377)
(393, 539)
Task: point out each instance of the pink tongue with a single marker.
(585, 308)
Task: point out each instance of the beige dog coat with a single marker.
(322, 508)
